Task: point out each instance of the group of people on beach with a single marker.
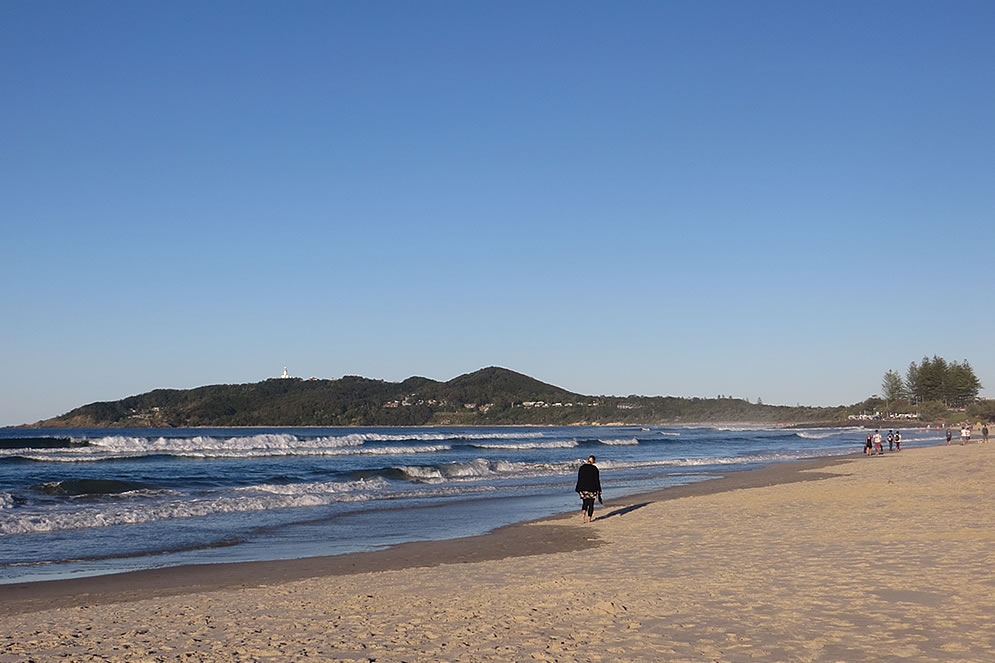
(875, 443)
(589, 477)
(965, 434)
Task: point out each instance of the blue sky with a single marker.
(773, 200)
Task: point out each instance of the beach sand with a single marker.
(886, 558)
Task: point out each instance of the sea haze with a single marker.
(88, 501)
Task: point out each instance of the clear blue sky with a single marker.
(779, 200)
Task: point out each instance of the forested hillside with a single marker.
(488, 396)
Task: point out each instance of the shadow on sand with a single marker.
(622, 511)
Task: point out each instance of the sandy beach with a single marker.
(886, 558)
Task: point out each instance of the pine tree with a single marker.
(893, 387)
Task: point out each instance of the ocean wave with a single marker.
(355, 451)
(70, 456)
(629, 442)
(770, 457)
(105, 516)
(99, 454)
(428, 437)
(317, 488)
(85, 487)
(114, 447)
(482, 469)
(477, 469)
(261, 442)
(7, 501)
(251, 498)
(558, 444)
(263, 497)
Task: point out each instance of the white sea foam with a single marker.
(200, 443)
(318, 488)
(437, 473)
(475, 468)
(250, 498)
(557, 444)
(6, 501)
(422, 473)
(400, 451)
(428, 437)
(439, 491)
(205, 447)
(84, 455)
(727, 460)
(106, 516)
(266, 444)
(628, 442)
(354, 451)
(478, 469)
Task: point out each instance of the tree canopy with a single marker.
(933, 379)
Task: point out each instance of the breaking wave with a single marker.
(559, 444)
(122, 447)
(255, 498)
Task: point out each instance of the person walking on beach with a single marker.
(891, 441)
(984, 433)
(949, 436)
(589, 488)
(898, 441)
(869, 445)
(965, 434)
(877, 443)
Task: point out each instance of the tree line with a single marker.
(952, 383)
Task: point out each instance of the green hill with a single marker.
(488, 396)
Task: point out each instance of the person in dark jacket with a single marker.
(589, 488)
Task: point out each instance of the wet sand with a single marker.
(884, 558)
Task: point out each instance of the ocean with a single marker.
(77, 502)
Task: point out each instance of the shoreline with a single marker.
(824, 560)
(522, 539)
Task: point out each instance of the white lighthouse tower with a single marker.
(285, 375)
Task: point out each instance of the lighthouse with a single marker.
(285, 375)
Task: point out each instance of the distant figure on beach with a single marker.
(869, 445)
(965, 435)
(891, 440)
(984, 433)
(949, 436)
(589, 488)
(898, 441)
(877, 443)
